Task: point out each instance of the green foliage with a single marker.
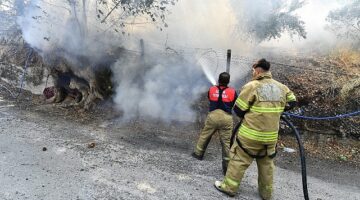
(345, 22)
(261, 20)
(278, 23)
(154, 11)
(117, 13)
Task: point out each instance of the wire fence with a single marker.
(323, 118)
(215, 60)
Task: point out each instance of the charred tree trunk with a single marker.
(84, 83)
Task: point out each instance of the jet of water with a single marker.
(207, 63)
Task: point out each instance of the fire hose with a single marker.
(285, 117)
(301, 148)
(301, 151)
(302, 156)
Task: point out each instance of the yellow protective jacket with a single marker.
(264, 100)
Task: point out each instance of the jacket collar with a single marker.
(221, 87)
(263, 75)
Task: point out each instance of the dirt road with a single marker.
(49, 157)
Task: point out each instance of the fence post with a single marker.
(142, 49)
(228, 60)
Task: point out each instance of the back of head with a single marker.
(263, 64)
(224, 79)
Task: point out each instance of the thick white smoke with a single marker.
(53, 26)
(162, 88)
(319, 39)
(159, 85)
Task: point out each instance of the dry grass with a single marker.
(352, 88)
(330, 149)
(347, 59)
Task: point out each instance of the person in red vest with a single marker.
(222, 99)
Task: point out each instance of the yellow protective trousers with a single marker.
(240, 161)
(216, 121)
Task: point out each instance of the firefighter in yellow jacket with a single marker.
(260, 105)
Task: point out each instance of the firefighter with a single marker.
(260, 105)
(222, 99)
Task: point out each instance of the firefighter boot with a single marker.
(197, 156)
(218, 187)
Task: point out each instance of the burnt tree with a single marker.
(79, 40)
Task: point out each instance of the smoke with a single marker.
(53, 26)
(319, 38)
(159, 87)
(217, 24)
(166, 81)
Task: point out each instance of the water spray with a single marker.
(207, 72)
(206, 64)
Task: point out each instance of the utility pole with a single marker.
(228, 59)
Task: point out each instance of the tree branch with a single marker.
(116, 5)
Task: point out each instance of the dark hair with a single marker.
(263, 64)
(224, 79)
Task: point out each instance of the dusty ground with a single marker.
(50, 152)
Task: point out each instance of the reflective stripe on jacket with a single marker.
(264, 99)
